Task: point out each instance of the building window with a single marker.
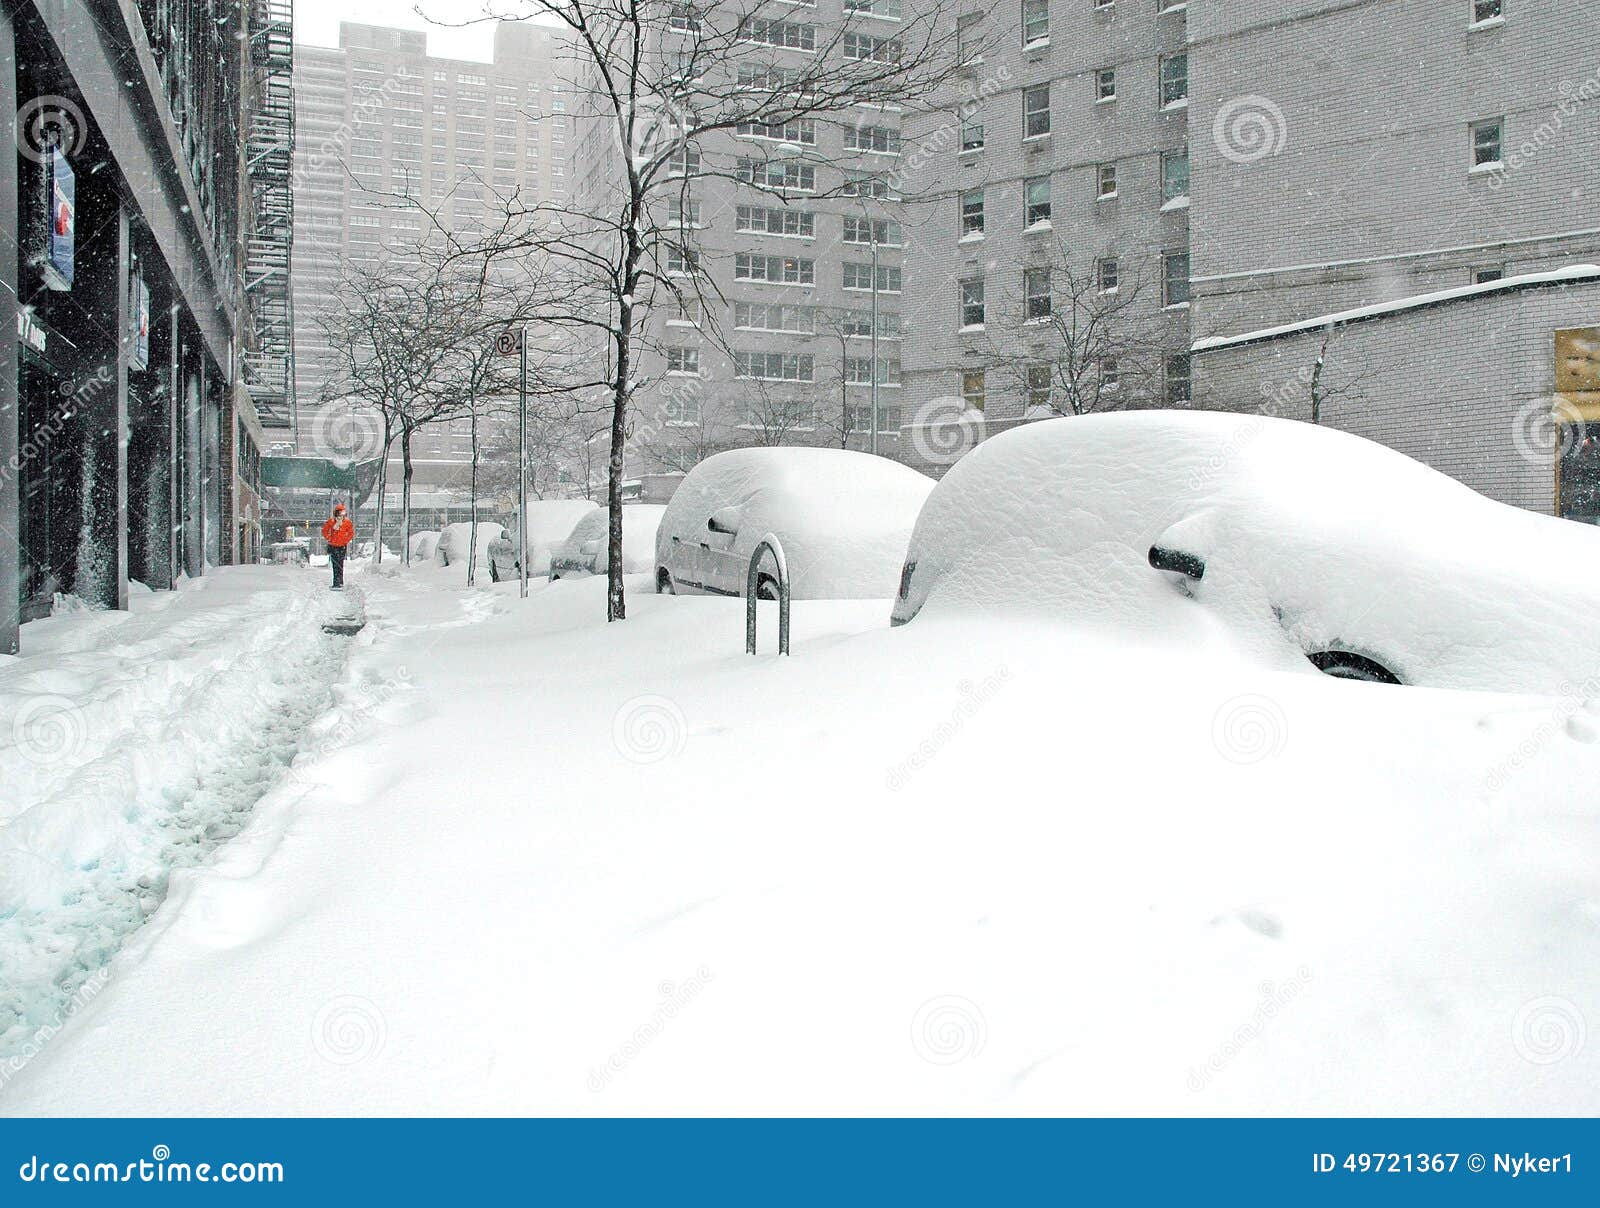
(1484, 276)
(971, 131)
(1174, 175)
(685, 160)
(882, 231)
(681, 261)
(871, 48)
(1177, 379)
(1175, 279)
(774, 366)
(1036, 204)
(859, 417)
(1487, 138)
(1106, 272)
(800, 130)
(1036, 111)
(972, 303)
(859, 276)
(681, 409)
(1035, 21)
(1105, 84)
(1038, 386)
(858, 371)
(1110, 376)
(883, 140)
(684, 361)
(968, 45)
(1035, 294)
(1174, 80)
(972, 389)
(972, 213)
(776, 220)
(785, 34)
(683, 18)
(1486, 10)
(1106, 181)
(774, 270)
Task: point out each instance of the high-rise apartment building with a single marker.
(1376, 214)
(797, 229)
(379, 118)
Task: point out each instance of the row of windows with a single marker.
(802, 320)
(1173, 90)
(787, 367)
(1039, 382)
(972, 217)
(795, 223)
(796, 270)
(801, 414)
(1038, 298)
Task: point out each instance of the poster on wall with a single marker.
(139, 354)
(62, 222)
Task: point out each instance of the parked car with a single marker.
(1284, 541)
(843, 519)
(456, 538)
(550, 522)
(584, 551)
(423, 545)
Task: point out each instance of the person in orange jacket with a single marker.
(338, 532)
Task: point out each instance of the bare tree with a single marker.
(1092, 338)
(669, 84)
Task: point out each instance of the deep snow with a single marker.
(534, 863)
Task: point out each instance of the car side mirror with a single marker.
(724, 520)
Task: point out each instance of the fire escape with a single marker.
(269, 152)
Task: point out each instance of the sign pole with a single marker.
(522, 461)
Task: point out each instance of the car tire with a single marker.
(1345, 664)
(664, 584)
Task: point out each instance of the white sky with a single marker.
(317, 22)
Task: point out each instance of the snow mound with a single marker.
(843, 517)
(1313, 540)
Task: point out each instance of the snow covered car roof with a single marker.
(843, 517)
(1305, 541)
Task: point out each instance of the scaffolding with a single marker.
(269, 168)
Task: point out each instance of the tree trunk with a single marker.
(472, 494)
(405, 491)
(383, 489)
(616, 605)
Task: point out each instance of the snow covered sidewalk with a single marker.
(530, 863)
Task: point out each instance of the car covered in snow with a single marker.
(423, 545)
(1289, 543)
(842, 517)
(456, 539)
(584, 551)
(550, 522)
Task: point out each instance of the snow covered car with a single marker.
(584, 551)
(1280, 540)
(550, 522)
(842, 517)
(456, 538)
(423, 544)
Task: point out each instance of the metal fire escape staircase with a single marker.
(269, 156)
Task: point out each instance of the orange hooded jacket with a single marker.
(337, 530)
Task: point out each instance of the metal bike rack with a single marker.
(767, 545)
